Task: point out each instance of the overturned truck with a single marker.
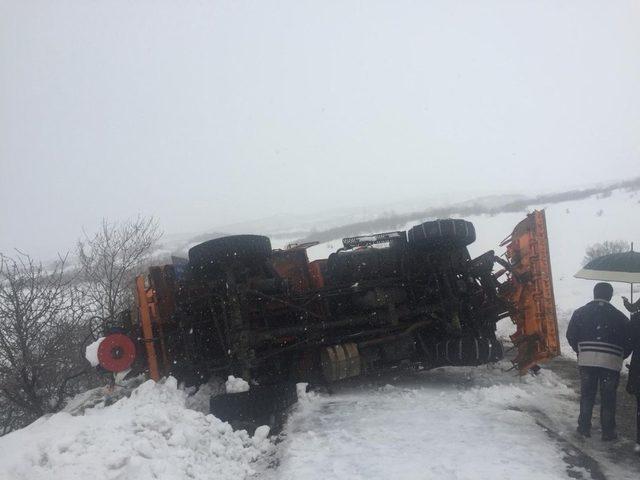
(274, 318)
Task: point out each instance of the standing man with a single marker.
(598, 333)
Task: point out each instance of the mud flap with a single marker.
(529, 292)
(261, 405)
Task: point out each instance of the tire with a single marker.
(442, 233)
(223, 252)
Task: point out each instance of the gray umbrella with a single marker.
(615, 267)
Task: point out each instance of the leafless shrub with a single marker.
(41, 337)
(605, 248)
(110, 259)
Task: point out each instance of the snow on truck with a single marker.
(268, 319)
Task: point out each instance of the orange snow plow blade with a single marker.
(529, 290)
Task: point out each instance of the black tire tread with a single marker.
(234, 248)
(443, 232)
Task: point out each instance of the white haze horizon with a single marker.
(206, 114)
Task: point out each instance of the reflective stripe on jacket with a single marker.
(599, 333)
(600, 354)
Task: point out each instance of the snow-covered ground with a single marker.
(450, 423)
(150, 435)
(445, 424)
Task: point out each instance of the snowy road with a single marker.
(444, 424)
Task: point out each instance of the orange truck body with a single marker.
(528, 290)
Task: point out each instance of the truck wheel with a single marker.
(453, 232)
(235, 249)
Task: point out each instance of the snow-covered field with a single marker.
(450, 423)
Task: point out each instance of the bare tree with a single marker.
(110, 259)
(41, 336)
(10, 417)
(605, 248)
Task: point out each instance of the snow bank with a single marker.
(91, 352)
(236, 385)
(200, 400)
(151, 435)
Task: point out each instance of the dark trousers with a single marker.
(607, 380)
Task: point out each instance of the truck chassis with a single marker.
(274, 318)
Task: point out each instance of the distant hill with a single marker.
(333, 224)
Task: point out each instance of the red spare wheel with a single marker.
(116, 352)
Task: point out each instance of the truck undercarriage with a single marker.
(273, 318)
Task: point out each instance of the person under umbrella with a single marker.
(623, 267)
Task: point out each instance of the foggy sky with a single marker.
(206, 112)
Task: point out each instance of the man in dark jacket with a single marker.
(598, 333)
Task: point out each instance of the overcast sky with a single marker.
(210, 112)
